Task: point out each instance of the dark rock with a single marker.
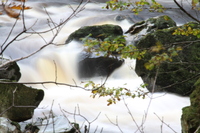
(98, 32)
(100, 66)
(179, 75)
(152, 24)
(91, 65)
(190, 120)
(17, 102)
(9, 71)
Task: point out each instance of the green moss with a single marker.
(98, 32)
(191, 115)
(172, 73)
(12, 95)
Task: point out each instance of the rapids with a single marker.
(58, 63)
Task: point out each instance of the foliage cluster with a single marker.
(187, 30)
(115, 94)
(164, 55)
(136, 7)
(109, 47)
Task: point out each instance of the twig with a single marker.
(165, 123)
(182, 9)
(129, 111)
(116, 124)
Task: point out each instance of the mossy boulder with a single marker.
(150, 25)
(90, 64)
(179, 74)
(17, 101)
(97, 31)
(190, 120)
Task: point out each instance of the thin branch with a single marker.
(46, 82)
(151, 97)
(116, 124)
(165, 123)
(183, 81)
(182, 9)
(129, 111)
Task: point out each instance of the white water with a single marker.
(58, 63)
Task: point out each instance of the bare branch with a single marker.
(165, 123)
(182, 9)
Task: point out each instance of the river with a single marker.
(58, 62)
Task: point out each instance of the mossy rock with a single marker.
(98, 32)
(179, 75)
(190, 119)
(17, 101)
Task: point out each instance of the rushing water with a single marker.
(58, 63)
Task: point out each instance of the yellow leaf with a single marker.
(179, 48)
(94, 91)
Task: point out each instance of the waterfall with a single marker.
(59, 63)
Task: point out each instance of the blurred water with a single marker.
(58, 63)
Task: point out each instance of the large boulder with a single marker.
(17, 101)
(177, 76)
(98, 32)
(91, 65)
(190, 120)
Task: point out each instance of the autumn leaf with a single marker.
(10, 12)
(19, 7)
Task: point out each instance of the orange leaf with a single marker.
(19, 7)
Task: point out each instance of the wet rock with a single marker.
(17, 101)
(98, 32)
(141, 28)
(179, 74)
(91, 65)
(9, 71)
(100, 66)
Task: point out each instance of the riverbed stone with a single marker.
(17, 101)
(90, 64)
(9, 71)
